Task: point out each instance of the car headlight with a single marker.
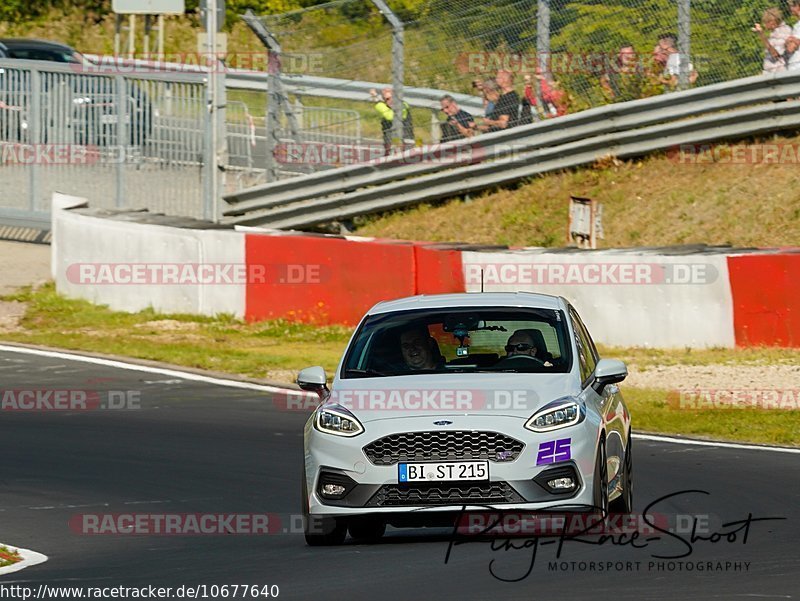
(337, 420)
(561, 413)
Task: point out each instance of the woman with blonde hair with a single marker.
(775, 43)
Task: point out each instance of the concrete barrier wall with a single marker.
(89, 251)
(628, 297)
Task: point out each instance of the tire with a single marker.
(321, 531)
(600, 491)
(624, 503)
(367, 529)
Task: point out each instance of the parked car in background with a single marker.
(77, 108)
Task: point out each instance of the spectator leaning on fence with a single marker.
(627, 79)
(505, 99)
(668, 59)
(775, 43)
(544, 95)
(386, 111)
(459, 123)
(792, 54)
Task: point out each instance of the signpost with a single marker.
(585, 222)
(148, 8)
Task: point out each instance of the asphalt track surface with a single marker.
(194, 447)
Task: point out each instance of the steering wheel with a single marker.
(518, 360)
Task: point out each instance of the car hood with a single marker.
(507, 394)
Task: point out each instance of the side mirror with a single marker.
(313, 379)
(608, 371)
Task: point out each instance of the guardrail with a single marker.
(743, 107)
(301, 85)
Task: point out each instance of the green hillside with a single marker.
(653, 201)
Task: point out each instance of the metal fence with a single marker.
(124, 141)
(134, 139)
(745, 107)
(582, 47)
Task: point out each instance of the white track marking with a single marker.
(711, 443)
(175, 373)
(171, 373)
(29, 558)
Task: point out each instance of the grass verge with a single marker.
(654, 201)
(275, 350)
(8, 557)
(651, 412)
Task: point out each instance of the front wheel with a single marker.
(321, 531)
(600, 493)
(624, 503)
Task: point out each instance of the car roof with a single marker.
(23, 43)
(471, 299)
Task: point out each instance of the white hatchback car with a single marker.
(463, 402)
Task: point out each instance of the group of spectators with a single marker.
(628, 78)
(632, 77)
(503, 108)
(781, 42)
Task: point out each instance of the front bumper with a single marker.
(512, 485)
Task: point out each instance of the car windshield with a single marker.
(460, 340)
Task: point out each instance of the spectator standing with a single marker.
(775, 43)
(668, 59)
(478, 85)
(384, 107)
(626, 79)
(459, 124)
(545, 95)
(506, 103)
(792, 55)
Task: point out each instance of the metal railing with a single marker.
(123, 140)
(744, 107)
(131, 138)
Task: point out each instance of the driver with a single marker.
(521, 343)
(419, 349)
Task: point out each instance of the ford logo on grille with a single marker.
(442, 422)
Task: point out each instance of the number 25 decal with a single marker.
(553, 451)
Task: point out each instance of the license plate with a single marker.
(442, 472)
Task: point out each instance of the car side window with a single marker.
(587, 353)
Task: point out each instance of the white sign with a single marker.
(148, 7)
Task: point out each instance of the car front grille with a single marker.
(446, 445)
(444, 493)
